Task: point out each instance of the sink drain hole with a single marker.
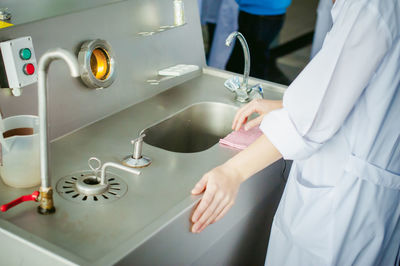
(76, 195)
(74, 178)
(67, 187)
(84, 198)
(91, 181)
(69, 191)
(95, 198)
(104, 196)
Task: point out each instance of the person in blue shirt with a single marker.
(260, 21)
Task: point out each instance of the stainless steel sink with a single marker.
(194, 129)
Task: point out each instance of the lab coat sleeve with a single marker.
(318, 101)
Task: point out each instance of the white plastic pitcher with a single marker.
(21, 164)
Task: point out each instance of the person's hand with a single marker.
(221, 186)
(260, 106)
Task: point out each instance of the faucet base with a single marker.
(242, 95)
(143, 161)
(242, 99)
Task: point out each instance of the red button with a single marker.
(29, 69)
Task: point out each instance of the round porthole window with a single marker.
(97, 64)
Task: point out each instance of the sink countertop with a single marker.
(102, 234)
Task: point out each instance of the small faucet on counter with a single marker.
(46, 192)
(243, 92)
(137, 159)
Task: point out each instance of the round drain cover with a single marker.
(67, 188)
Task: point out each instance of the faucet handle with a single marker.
(232, 84)
(257, 92)
(32, 197)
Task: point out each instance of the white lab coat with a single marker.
(340, 124)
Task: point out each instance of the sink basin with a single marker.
(196, 128)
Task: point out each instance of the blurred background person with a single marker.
(209, 10)
(260, 22)
(323, 25)
(227, 22)
(218, 20)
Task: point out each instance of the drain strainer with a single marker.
(81, 188)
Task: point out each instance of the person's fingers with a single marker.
(203, 221)
(252, 123)
(243, 115)
(239, 112)
(221, 206)
(204, 204)
(223, 212)
(237, 115)
(200, 186)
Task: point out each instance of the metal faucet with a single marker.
(243, 92)
(46, 192)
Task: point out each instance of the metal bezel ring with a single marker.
(84, 56)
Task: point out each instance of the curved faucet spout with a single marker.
(46, 202)
(246, 52)
(58, 54)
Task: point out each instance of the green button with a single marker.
(25, 53)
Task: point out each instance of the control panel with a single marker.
(18, 67)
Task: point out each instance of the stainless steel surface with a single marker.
(26, 11)
(159, 30)
(103, 177)
(71, 104)
(43, 67)
(72, 188)
(194, 129)
(85, 64)
(81, 234)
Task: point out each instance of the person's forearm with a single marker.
(254, 158)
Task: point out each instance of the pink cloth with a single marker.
(241, 139)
